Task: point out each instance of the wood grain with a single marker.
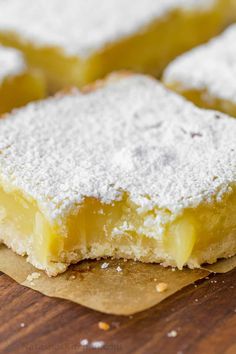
(204, 318)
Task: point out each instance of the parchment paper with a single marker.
(106, 290)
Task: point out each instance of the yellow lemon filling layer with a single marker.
(204, 99)
(120, 230)
(16, 91)
(148, 51)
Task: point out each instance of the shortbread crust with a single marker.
(130, 170)
(77, 43)
(206, 75)
(18, 85)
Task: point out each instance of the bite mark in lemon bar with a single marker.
(85, 44)
(130, 170)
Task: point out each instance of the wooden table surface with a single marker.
(203, 316)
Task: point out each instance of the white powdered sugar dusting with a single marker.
(84, 27)
(11, 62)
(210, 67)
(63, 149)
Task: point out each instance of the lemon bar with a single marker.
(206, 75)
(76, 43)
(129, 170)
(18, 85)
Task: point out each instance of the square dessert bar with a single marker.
(207, 74)
(127, 170)
(77, 42)
(18, 84)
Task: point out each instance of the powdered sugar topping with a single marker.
(83, 27)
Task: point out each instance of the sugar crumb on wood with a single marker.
(103, 325)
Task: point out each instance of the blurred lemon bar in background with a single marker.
(78, 41)
(18, 85)
(207, 74)
(131, 171)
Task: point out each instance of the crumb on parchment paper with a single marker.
(33, 276)
(161, 287)
(104, 265)
(72, 277)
